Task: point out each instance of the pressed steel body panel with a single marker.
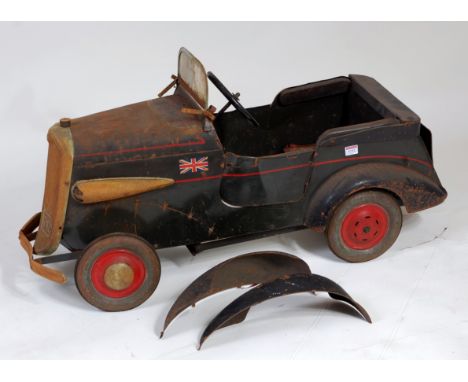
(257, 181)
(145, 140)
(233, 180)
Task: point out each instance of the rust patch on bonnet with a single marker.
(138, 131)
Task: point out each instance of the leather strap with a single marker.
(28, 234)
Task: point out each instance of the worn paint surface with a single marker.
(106, 189)
(251, 181)
(249, 269)
(193, 75)
(237, 311)
(57, 189)
(249, 186)
(132, 244)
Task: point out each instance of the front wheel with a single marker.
(117, 272)
(364, 226)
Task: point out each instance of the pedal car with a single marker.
(340, 156)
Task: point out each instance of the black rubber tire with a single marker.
(137, 246)
(333, 232)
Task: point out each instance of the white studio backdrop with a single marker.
(416, 293)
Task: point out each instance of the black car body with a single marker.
(228, 179)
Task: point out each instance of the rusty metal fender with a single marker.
(26, 235)
(249, 269)
(237, 310)
(414, 189)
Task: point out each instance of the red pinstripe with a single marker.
(403, 157)
(313, 164)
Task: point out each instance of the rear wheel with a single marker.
(364, 226)
(117, 272)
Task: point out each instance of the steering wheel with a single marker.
(231, 98)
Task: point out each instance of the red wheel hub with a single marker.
(118, 273)
(364, 226)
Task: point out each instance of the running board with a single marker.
(197, 248)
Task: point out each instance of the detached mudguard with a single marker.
(249, 269)
(416, 190)
(236, 311)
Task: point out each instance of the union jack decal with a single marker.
(193, 165)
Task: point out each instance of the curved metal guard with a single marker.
(249, 269)
(237, 310)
